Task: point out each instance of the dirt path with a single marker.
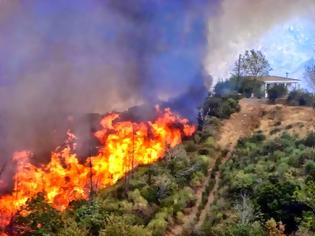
(240, 125)
(230, 133)
(255, 115)
(178, 229)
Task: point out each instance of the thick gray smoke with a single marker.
(75, 57)
(241, 25)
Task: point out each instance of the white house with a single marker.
(270, 81)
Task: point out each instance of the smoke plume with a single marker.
(59, 58)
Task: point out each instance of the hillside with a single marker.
(255, 116)
(214, 183)
(234, 208)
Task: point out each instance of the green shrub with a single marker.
(246, 86)
(277, 91)
(244, 229)
(190, 146)
(179, 217)
(157, 226)
(221, 107)
(301, 98)
(40, 213)
(139, 201)
(310, 168)
(70, 227)
(197, 179)
(309, 141)
(118, 225)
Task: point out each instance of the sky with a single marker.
(289, 46)
(283, 30)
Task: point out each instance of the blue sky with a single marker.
(290, 45)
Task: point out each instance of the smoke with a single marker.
(60, 58)
(241, 26)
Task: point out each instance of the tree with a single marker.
(245, 210)
(252, 63)
(310, 73)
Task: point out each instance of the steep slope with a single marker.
(255, 116)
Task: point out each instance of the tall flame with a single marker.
(125, 145)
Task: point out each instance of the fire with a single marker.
(125, 145)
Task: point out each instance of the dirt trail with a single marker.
(255, 115)
(240, 125)
(178, 229)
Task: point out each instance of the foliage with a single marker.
(252, 63)
(277, 91)
(247, 86)
(300, 98)
(220, 107)
(41, 219)
(71, 227)
(309, 141)
(119, 225)
(274, 228)
(269, 182)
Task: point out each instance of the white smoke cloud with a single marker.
(242, 25)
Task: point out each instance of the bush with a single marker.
(118, 225)
(197, 179)
(244, 230)
(300, 98)
(42, 219)
(180, 200)
(70, 227)
(220, 107)
(310, 169)
(190, 146)
(137, 199)
(246, 86)
(277, 91)
(251, 86)
(157, 226)
(309, 141)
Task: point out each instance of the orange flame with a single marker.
(125, 145)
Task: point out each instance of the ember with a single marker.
(125, 145)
